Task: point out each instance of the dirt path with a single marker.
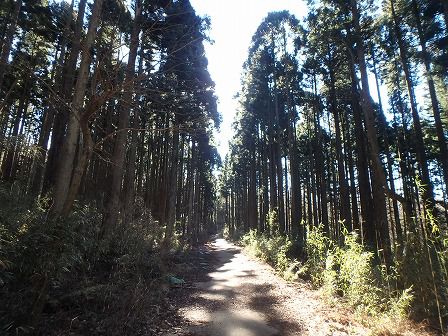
(231, 294)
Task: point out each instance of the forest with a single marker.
(336, 174)
(315, 156)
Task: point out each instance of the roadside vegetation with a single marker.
(385, 299)
(107, 112)
(61, 276)
(340, 160)
(337, 171)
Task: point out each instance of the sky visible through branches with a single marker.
(233, 22)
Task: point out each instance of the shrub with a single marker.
(423, 268)
(357, 281)
(54, 267)
(40, 254)
(316, 248)
(273, 249)
(348, 271)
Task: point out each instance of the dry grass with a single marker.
(388, 326)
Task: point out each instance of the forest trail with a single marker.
(240, 296)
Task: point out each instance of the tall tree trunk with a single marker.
(279, 165)
(79, 169)
(319, 157)
(8, 162)
(172, 190)
(344, 197)
(7, 43)
(428, 193)
(119, 154)
(296, 226)
(11, 156)
(405, 165)
(252, 192)
(48, 116)
(65, 169)
(432, 93)
(379, 185)
(135, 145)
(397, 225)
(265, 169)
(65, 94)
(365, 195)
(351, 171)
(273, 200)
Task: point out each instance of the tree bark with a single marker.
(73, 131)
(7, 44)
(428, 193)
(119, 154)
(344, 197)
(172, 190)
(433, 95)
(48, 116)
(65, 95)
(365, 195)
(379, 185)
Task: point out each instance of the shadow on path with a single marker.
(227, 296)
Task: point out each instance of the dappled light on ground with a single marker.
(244, 322)
(224, 289)
(239, 296)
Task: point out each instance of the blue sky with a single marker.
(233, 22)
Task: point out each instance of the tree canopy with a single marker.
(108, 157)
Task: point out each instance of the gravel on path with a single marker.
(231, 294)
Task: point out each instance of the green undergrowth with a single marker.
(273, 249)
(346, 272)
(62, 277)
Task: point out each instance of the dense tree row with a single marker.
(312, 147)
(109, 105)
